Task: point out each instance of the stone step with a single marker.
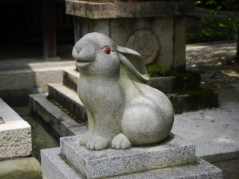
(68, 99)
(170, 84)
(54, 116)
(70, 78)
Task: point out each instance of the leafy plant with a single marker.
(156, 69)
(214, 28)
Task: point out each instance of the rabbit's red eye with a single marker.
(106, 49)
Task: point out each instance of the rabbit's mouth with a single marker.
(82, 64)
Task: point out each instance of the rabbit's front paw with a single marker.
(85, 138)
(120, 142)
(97, 143)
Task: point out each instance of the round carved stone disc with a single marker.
(145, 43)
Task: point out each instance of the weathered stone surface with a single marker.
(21, 168)
(68, 100)
(164, 84)
(70, 78)
(96, 164)
(96, 10)
(15, 134)
(122, 110)
(55, 167)
(168, 49)
(62, 123)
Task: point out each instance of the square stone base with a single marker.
(110, 162)
(54, 166)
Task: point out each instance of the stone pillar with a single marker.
(156, 29)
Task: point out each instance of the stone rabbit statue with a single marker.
(122, 110)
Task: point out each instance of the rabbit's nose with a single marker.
(74, 53)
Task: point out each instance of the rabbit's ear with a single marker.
(133, 61)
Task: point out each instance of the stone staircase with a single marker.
(62, 109)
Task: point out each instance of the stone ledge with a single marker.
(94, 10)
(96, 164)
(55, 167)
(15, 134)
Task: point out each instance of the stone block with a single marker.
(15, 134)
(96, 164)
(54, 166)
(164, 84)
(20, 168)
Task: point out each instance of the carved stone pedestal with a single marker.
(155, 29)
(174, 158)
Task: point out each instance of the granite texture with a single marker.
(55, 167)
(96, 10)
(96, 164)
(121, 109)
(15, 134)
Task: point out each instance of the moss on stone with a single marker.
(187, 81)
(78, 120)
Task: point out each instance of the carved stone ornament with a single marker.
(145, 43)
(122, 110)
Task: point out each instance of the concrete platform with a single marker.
(15, 134)
(55, 167)
(110, 162)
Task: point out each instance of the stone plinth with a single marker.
(146, 162)
(15, 134)
(156, 29)
(96, 164)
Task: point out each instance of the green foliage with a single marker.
(156, 69)
(213, 28)
(218, 4)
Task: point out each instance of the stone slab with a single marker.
(96, 164)
(96, 10)
(15, 134)
(55, 167)
(20, 168)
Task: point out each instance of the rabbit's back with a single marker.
(148, 117)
